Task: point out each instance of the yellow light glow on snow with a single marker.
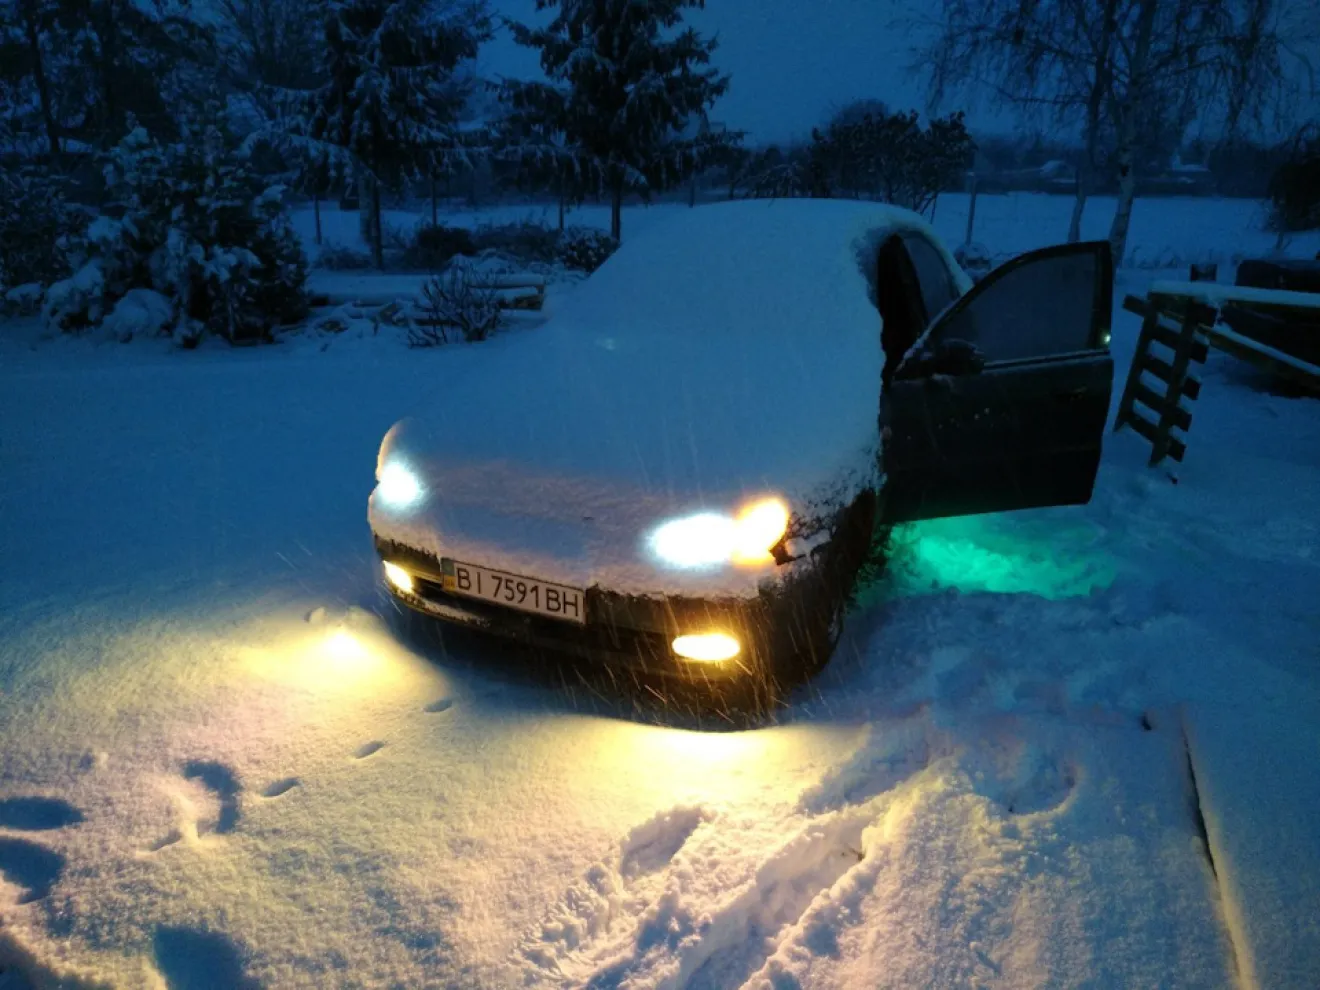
(343, 645)
(344, 659)
(757, 529)
(707, 647)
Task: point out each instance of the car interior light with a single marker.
(707, 647)
(398, 577)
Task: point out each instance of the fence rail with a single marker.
(1151, 414)
(1184, 320)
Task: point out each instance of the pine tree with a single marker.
(626, 83)
(91, 70)
(25, 71)
(391, 99)
(532, 143)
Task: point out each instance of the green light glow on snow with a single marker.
(999, 554)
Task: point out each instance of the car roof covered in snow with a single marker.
(731, 351)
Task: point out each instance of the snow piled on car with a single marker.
(724, 355)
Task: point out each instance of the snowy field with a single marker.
(1066, 747)
(1172, 232)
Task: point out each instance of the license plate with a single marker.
(525, 594)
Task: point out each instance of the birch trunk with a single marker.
(1126, 156)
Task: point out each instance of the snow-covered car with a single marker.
(686, 467)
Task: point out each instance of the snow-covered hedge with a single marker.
(585, 248)
(193, 224)
(36, 228)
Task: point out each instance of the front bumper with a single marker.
(625, 630)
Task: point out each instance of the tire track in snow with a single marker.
(610, 891)
(728, 950)
(704, 901)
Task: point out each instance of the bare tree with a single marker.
(1119, 70)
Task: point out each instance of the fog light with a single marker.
(707, 648)
(398, 577)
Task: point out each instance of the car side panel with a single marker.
(1013, 436)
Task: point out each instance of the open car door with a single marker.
(1002, 403)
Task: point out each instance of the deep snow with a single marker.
(220, 763)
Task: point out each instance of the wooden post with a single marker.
(316, 208)
(971, 209)
(365, 183)
(377, 241)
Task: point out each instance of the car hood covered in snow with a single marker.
(727, 354)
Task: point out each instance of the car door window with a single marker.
(899, 300)
(1043, 304)
(934, 279)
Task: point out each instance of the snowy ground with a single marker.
(221, 767)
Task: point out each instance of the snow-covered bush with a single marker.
(37, 229)
(22, 299)
(586, 249)
(193, 223)
(140, 313)
(526, 240)
(78, 301)
(338, 258)
(433, 246)
(975, 259)
(454, 301)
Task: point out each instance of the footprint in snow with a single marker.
(196, 958)
(168, 839)
(1048, 785)
(223, 789)
(368, 749)
(220, 781)
(443, 705)
(280, 787)
(37, 814)
(32, 867)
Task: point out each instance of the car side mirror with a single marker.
(944, 357)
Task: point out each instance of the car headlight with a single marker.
(397, 486)
(709, 539)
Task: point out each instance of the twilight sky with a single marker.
(792, 61)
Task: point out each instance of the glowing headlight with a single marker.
(398, 487)
(709, 539)
(707, 647)
(398, 577)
